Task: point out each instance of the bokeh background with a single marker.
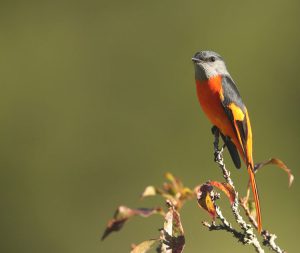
(98, 100)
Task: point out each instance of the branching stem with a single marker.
(248, 236)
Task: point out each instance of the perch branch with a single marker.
(248, 236)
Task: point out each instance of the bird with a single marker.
(222, 104)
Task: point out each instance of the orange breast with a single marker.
(210, 97)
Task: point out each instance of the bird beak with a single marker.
(195, 60)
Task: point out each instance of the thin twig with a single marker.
(214, 226)
(269, 240)
(243, 203)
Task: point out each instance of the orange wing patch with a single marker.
(238, 115)
(237, 112)
(244, 134)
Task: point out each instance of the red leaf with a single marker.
(226, 188)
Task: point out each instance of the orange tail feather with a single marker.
(256, 198)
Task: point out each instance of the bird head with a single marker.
(208, 64)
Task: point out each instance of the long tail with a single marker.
(256, 197)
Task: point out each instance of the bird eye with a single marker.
(212, 59)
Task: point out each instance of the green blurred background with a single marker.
(98, 100)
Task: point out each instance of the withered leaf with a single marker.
(174, 186)
(279, 163)
(205, 201)
(144, 247)
(123, 213)
(172, 190)
(149, 191)
(172, 237)
(174, 180)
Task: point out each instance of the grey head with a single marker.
(208, 64)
